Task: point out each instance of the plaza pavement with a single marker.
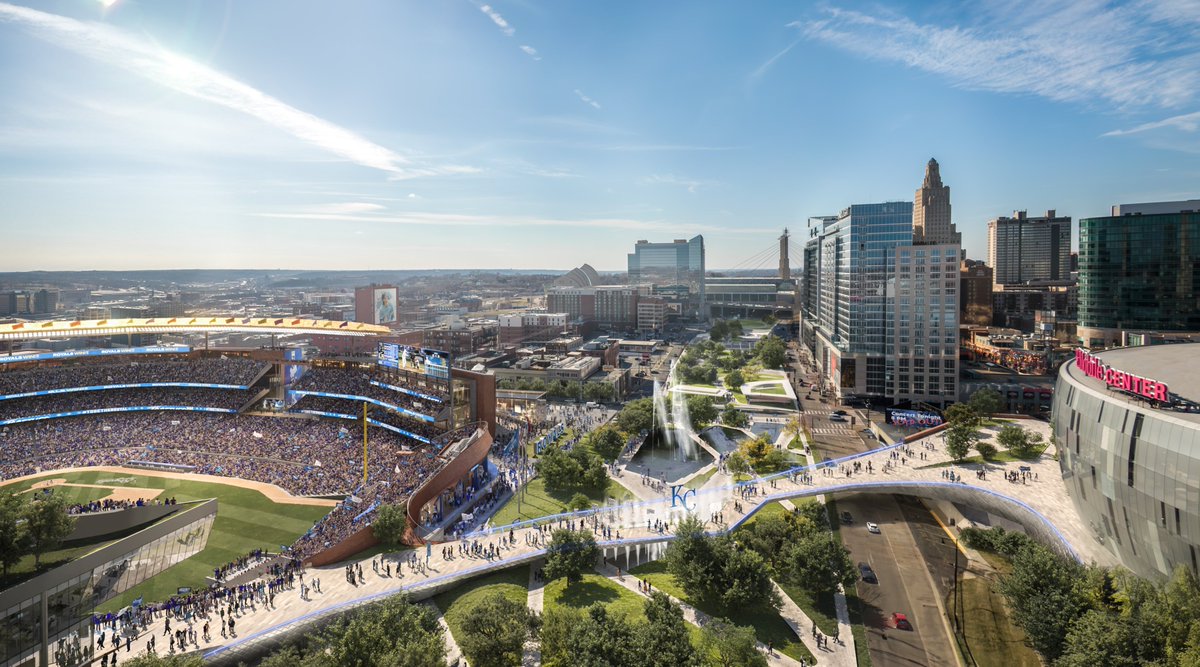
(633, 523)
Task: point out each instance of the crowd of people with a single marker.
(357, 382)
(105, 505)
(354, 409)
(88, 373)
(225, 399)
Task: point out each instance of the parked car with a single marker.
(872, 528)
(840, 413)
(900, 622)
(867, 574)
(847, 519)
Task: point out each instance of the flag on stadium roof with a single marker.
(149, 321)
(278, 321)
(343, 325)
(295, 322)
(101, 323)
(18, 326)
(172, 320)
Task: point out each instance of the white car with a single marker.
(872, 528)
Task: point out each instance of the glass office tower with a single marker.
(679, 263)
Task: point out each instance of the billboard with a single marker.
(385, 305)
(913, 418)
(434, 363)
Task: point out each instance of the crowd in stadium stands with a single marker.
(240, 564)
(357, 382)
(231, 399)
(354, 409)
(222, 370)
(304, 456)
(105, 506)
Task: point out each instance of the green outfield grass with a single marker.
(246, 520)
(535, 501)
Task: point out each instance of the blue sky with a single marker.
(540, 134)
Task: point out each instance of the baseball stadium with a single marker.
(193, 470)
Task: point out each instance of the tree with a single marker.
(663, 641)
(719, 330)
(597, 391)
(987, 402)
(598, 639)
(819, 564)
(12, 532)
(1046, 596)
(1020, 442)
(701, 410)
(731, 416)
(986, 449)
(494, 631)
(1099, 638)
(555, 636)
(747, 581)
(960, 438)
(962, 413)
(558, 469)
(637, 416)
(607, 441)
(390, 524)
(771, 352)
(737, 464)
(770, 534)
(594, 475)
(713, 569)
(47, 524)
(391, 633)
(734, 380)
(724, 644)
(579, 502)
(735, 328)
(570, 554)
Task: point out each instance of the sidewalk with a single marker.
(537, 595)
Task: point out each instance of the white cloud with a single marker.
(347, 207)
(530, 51)
(442, 220)
(496, 18)
(1128, 55)
(1188, 122)
(587, 100)
(170, 70)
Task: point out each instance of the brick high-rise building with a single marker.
(1022, 249)
(975, 293)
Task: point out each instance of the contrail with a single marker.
(114, 47)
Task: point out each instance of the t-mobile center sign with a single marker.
(1091, 365)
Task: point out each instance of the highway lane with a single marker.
(905, 586)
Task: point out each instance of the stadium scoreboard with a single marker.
(432, 363)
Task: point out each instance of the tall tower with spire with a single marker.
(785, 265)
(931, 211)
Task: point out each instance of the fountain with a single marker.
(669, 447)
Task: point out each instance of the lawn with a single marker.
(73, 494)
(699, 480)
(594, 589)
(1001, 456)
(535, 501)
(246, 520)
(774, 390)
(989, 636)
(512, 583)
(768, 625)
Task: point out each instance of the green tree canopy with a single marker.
(987, 402)
(570, 554)
(960, 438)
(818, 564)
(579, 502)
(986, 449)
(389, 633)
(719, 330)
(701, 411)
(47, 524)
(731, 416)
(607, 441)
(734, 380)
(637, 416)
(155, 660)
(495, 630)
(1020, 442)
(771, 352)
(663, 641)
(12, 532)
(715, 570)
(963, 413)
(390, 524)
(724, 644)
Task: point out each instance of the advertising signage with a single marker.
(913, 418)
(1092, 366)
(99, 352)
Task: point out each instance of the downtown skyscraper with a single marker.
(880, 304)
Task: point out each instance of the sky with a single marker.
(530, 134)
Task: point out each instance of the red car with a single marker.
(900, 622)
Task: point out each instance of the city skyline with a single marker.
(533, 136)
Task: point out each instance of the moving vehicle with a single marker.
(837, 418)
(840, 413)
(867, 574)
(900, 622)
(847, 519)
(872, 528)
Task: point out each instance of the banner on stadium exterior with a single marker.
(105, 352)
(135, 385)
(433, 363)
(293, 372)
(913, 418)
(384, 300)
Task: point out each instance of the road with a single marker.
(905, 584)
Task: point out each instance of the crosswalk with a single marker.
(831, 431)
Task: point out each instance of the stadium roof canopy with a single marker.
(208, 323)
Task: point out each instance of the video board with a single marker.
(433, 363)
